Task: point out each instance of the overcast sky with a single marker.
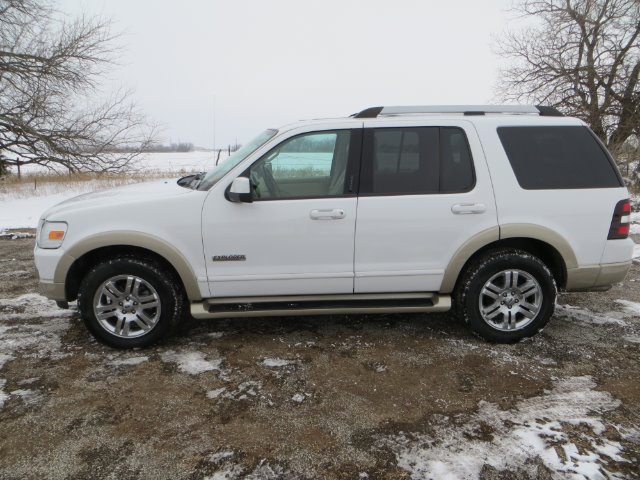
(208, 69)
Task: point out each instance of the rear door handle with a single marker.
(468, 208)
(332, 214)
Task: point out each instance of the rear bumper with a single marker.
(596, 277)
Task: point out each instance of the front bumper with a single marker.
(52, 265)
(53, 291)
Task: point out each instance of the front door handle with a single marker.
(468, 208)
(332, 214)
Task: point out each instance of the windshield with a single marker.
(214, 175)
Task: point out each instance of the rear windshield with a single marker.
(561, 157)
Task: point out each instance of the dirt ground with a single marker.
(372, 396)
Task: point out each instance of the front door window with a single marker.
(306, 166)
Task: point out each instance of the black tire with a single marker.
(168, 292)
(493, 264)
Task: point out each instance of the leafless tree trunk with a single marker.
(583, 57)
(49, 68)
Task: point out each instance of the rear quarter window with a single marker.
(558, 157)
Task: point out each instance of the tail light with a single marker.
(620, 223)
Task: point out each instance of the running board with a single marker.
(280, 306)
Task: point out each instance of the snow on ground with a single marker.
(632, 308)
(278, 362)
(543, 427)
(228, 470)
(177, 162)
(246, 390)
(635, 223)
(569, 312)
(25, 212)
(198, 161)
(192, 363)
(131, 361)
(23, 339)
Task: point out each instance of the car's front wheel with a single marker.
(507, 295)
(129, 302)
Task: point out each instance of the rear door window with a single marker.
(558, 157)
(416, 160)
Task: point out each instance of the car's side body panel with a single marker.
(405, 243)
(581, 216)
(163, 218)
(276, 247)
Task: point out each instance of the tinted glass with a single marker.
(416, 160)
(456, 169)
(401, 161)
(560, 157)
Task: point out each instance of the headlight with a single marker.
(52, 234)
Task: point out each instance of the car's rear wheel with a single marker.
(130, 302)
(506, 295)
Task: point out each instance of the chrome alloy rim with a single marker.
(126, 306)
(510, 300)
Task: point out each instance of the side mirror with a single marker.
(240, 190)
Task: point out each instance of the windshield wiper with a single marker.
(191, 181)
(197, 180)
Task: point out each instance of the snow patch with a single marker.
(213, 394)
(510, 439)
(245, 391)
(30, 306)
(192, 363)
(263, 471)
(299, 397)
(632, 308)
(218, 457)
(4, 358)
(128, 361)
(586, 316)
(278, 362)
(3, 396)
(229, 472)
(31, 326)
(632, 338)
(15, 235)
(29, 397)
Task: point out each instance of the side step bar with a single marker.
(279, 306)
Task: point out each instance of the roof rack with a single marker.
(374, 112)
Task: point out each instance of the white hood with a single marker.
(136, 193)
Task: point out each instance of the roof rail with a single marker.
(374, 112)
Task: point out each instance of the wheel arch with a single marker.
(542, 242)
(80, 257)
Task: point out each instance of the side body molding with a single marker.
(482, 239)
(537, 232)
(134, 239)
(464, 253)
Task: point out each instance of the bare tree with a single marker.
(49, 67)
(583, 57)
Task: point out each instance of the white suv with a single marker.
(396, 209)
